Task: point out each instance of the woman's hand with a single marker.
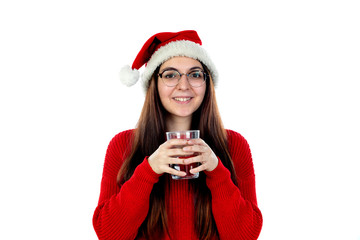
(205, 156)
(167, 154)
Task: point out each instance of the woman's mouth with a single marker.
(182, 99)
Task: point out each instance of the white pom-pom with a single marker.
(129, 76)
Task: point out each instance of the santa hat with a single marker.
(161, 47)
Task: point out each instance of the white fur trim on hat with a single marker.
(129, 76)
(178, 48)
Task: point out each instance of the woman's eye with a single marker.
(170, 75)
(196, 75)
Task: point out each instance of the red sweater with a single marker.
(121, 210)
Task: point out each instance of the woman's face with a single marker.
(181, 100)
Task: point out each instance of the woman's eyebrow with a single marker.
(193, 68)
(169, 68)
(172, 68)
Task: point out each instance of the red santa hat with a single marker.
(161, 47)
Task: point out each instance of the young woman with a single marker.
(138, 198)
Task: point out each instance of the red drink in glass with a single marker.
(191, 134)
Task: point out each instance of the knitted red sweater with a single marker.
(121, 211)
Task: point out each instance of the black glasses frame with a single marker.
(181, 74)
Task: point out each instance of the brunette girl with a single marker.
(138, 197)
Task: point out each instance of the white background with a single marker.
(289, 82)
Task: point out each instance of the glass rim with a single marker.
(185, 131)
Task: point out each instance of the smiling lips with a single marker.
(182, 99)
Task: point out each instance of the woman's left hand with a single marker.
(205, 156)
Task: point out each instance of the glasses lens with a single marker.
(170, 77)
(196, 78)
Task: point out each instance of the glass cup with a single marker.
(190, 134)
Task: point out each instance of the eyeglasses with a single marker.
(171, 77)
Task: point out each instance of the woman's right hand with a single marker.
(167, 154)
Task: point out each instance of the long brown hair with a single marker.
(149, 134)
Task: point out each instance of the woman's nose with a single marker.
(183, 82)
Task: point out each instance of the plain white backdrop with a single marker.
(289, 82)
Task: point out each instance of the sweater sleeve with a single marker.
(122, 209)
(235, 207)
